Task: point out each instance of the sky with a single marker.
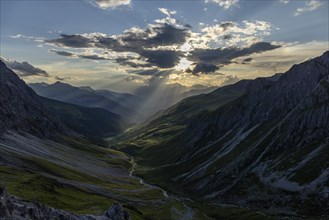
(124, 44)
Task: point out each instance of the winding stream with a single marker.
(190, 211)
(133, 167)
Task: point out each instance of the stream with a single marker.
(133, 166)
(190, 211)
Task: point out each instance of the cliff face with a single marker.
(22, 110)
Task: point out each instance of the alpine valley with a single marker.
(256, 149)
(164, 110)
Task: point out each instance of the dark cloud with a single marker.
(110, 43)
(25, 69)
(140, 41)
(188, 26)
(247, 60)
(162, 58)
(188, 70)
(125, 61)
(226, 25)
(163, 35)
(225, 56)
(74, 41)
(59, 78)
(63, 53)
(153, 58)
(157, 46)
(204, 68)
(70, 54)
(227, 37)
(133, 40)
(93, 57)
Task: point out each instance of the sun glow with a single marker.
(183, 64)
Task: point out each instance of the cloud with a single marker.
(62, 78)
(154, 36)
(110, 4)
(25, 69)
(88, 56)
(167, 11)
(230, 80)
(225, 56)
(133, 40)
(146, 72)
(204, 68)
(247, 60)
(93, 57)
(17, 36)
(162, 58)
(154, 46)
(311, 5)
(227, 37)
(28, 38)
(74, 41)
(231, 34)
(226, 25)
(226, 4)
(62, 53)
(166, 43)
(285, 1)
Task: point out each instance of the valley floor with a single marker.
(82, 178)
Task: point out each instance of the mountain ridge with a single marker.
(219, 153)
(22, 109)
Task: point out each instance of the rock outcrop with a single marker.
(12, 207)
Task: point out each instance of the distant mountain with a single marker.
(261, 143)
(134, 108)
(90, 122)
(158, 96)
(82, 96)
(125, 99)
(22, 110)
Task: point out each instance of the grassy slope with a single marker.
(65, 179)
(167, 129)
(91, 122)
(151, 143)
(83, 178)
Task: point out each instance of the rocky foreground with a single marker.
(12, 207)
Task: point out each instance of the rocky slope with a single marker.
(12, 207)
(22, 110)
(266, 148)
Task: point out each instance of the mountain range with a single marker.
(259, 143)
(134, 108)
(86, 96)
(256, 149)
